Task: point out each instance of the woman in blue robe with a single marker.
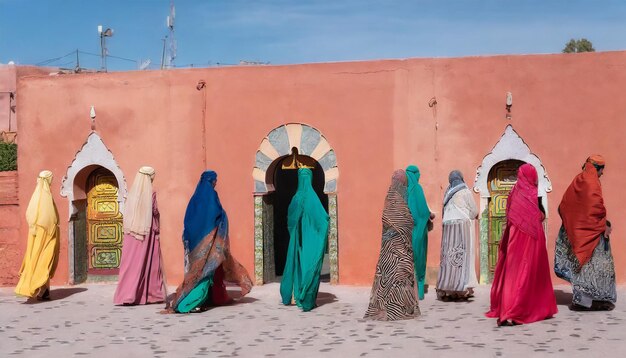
(208, 261)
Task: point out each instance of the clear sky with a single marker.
(211, 32)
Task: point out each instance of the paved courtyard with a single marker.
(82, 321)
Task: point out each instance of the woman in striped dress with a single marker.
(394, 295)
(457, 273)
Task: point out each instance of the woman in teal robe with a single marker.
(421, 216)
(307, 222)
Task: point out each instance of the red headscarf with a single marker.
(522, 207)
(582, 210)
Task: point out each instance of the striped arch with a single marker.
(278, 143)
(308, 140)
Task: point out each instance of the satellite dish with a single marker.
(144, 64)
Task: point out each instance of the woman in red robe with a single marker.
(522, 289)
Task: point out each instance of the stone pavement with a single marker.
(82, 321)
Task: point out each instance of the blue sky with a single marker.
(211, 32)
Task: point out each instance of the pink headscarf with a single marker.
(522, 207)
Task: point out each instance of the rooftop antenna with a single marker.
(170, 41)
(103, 46)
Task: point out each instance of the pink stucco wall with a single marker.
(375, 115)
(8, 83)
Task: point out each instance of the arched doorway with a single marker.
(274, 186)
(285, 182)
(95, 188)
(495, 177)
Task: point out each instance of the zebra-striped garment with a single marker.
(394, 295)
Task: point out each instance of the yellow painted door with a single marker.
(104, 224)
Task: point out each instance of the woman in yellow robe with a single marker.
(42, 250)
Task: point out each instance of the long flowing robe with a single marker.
(583, 213)
(140, 279)
(421, 214)
(42, 249)
(583, 253)
(393, 295)
(522, 288)
(207, 253)
(307, 222)
(457, 272)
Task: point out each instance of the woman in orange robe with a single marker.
(583, 252)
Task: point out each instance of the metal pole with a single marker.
(101, 52)
(163, 55)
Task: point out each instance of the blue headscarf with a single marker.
(456, 184)
(204, 211)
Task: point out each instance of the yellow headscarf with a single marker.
(41, 211)
(138, 210)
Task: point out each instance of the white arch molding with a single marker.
(510, 146)
(277, 144)
(93, 154)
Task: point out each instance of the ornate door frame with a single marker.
(279, 143)
(92, 155)
(509, 146)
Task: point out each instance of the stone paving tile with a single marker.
(82, 321)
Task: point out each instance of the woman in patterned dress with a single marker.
(208, 260)
(394, 295)
(583, 252)
(457, 273)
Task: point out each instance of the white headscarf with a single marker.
(138, 210)
(41, 211)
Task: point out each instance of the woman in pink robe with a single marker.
(522, 288)
(140, 277)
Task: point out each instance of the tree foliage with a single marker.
(581, 45)
(8, 156)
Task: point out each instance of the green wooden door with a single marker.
(501, 179)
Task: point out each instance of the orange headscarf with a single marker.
(582, 210)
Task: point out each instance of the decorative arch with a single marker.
(92, 155)
(509, 147)
(93, 152)
(277, 144)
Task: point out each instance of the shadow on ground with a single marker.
(324, 298)
(563, 298)
(58, 294)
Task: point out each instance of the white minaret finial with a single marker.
(92, 114)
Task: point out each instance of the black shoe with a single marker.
(579, 308)
(602, 306)
(45, 296)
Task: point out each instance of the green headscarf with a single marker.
(421, 214)
(307, 222)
